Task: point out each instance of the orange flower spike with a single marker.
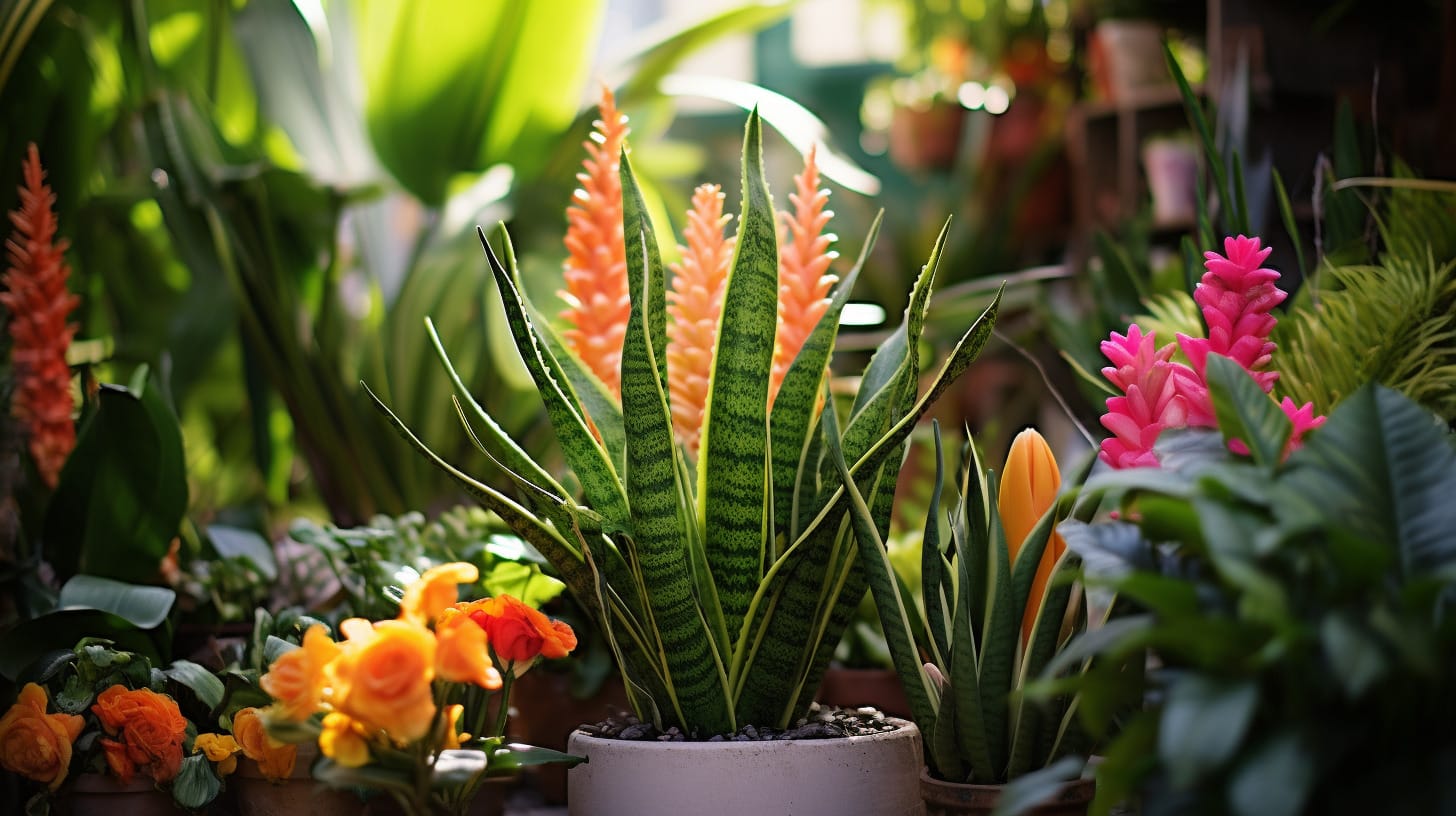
(38, 303)
(695, 301)
(804, 279)
(426, 597)
(383, 676)
(1029, 485)
(596, 267)
(462, 654)
(34, 744)
(296, 679)
(275, 759)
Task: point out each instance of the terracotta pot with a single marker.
(257, 795)
(869, 776)
(852, 688)
(927, 138)
(950, 798)
(102, 795)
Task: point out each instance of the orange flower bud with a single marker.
(1029, 485)
(427, 597)
(461, 654)
(296, 679)
(275, 759)
(519, 633)
(34, 744)
(383, 677)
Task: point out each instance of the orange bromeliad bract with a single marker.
(804, 279)
(596, 269)
(695, 302)
(35, 295)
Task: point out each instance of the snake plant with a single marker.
(968, 699)
(723, 583)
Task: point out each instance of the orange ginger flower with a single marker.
(804, 278)
(596, 270)
(35, 295)
(695, 302)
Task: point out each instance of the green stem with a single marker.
(507, 678)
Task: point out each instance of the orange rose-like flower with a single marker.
(519, 633)
(35, 744)
(275, 759)
(150, 727)
(296, 679)
(427, 597)
(344, 741)
(461, 655)
(118, 759)
(383, 677)
(220, 749)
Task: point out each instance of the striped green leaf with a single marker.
(696, 683)
(735, 494)
(998, 648)
(965, 717)
(933, 579)
(1029, 722)
(585, 456)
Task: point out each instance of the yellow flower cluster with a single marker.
(378, 683)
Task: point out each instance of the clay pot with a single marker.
(927, 138)
(102, 795)
(872, 774)
(298, 795)
(953, 799)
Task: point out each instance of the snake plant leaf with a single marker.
(661, 516)
(941, 752)
(1029, 720)
(588, 460)
(965, 718)
(932, 563)
(880, 574)
(1245, 412)
(998, 647)
(796, 407)
(734, 494)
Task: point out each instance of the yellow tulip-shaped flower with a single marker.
(343, 740)
(296, 679)
(275, 759)
(220, 749)
(461, 655)
(383, 677)
(1029, 486)
(427, 597)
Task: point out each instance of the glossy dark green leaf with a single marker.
(1026, 792)
(27, 641)
(236, 542)
(1274, 779)
(1245, 412)
(201, 680)
(1354, 655)
(1204, 721)
(123, 490)
(515, 755)
(144, 607)
(196, 784)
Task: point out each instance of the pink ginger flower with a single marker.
(694, 302)
(804, 279)
(1236, 296)
(596, 270)
(1151, 400)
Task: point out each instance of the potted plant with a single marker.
(103, 730)
(723, 577)
(403, 707)
(998, 605)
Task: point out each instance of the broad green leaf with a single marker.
(200, 680)
(31, 640)
(512, 756)
(1022, 794)
(236, 542)
(1382, 469)
(456, 86)
(1355, 657)
(123, 490)
(733, 460)
(1245, 412)
(1204, 722)
(196, 784)
(144, 607)
(654, 60)
(1274, 779)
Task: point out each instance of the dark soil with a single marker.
(822, 722)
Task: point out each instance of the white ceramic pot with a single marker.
(877, 775)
